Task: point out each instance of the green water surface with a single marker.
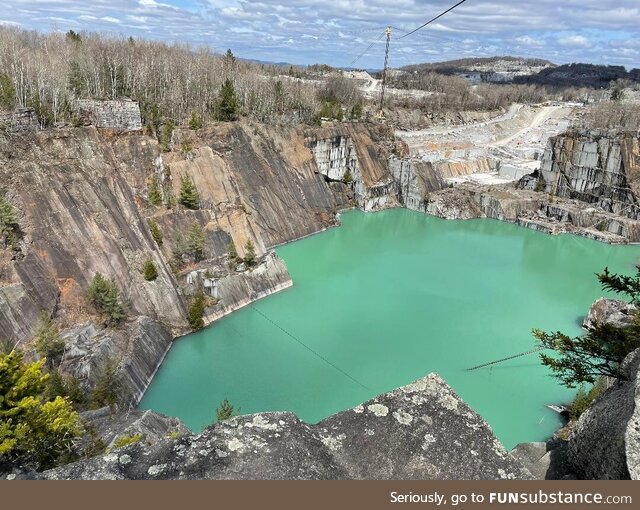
(388, 298)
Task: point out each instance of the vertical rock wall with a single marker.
(595, 167)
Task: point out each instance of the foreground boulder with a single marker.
(606, 441)
(615, 312)
(421, 431)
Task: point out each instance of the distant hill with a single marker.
(481, 64)
(483, 69)
(581, 75)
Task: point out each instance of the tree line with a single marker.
(175, 82)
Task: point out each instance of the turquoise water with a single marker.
(388, 298)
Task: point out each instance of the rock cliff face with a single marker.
(606, 441)
(595, 167)
(420, 431)
(361, 152)
(82, 196)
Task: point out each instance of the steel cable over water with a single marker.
(317, 354)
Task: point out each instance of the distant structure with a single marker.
(119, 114)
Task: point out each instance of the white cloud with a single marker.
(526, 40)
(336, 31)
(578, 41)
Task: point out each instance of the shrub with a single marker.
(224, 411)
(195, 122)
(155, 196)
(189, 196)
(195, 313)
(126, 440)
(33, 429)
(156, 233)
(105, 297)
(149, 270)
(348, 178)
(48, 342)
(186, 146)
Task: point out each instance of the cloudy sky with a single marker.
(337, 31)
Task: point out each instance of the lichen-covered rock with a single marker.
(605, 443)
(420, 431)
(616, 312)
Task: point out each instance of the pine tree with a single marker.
(9, 228)
(48, 342)
(195, 312)
(195, 241)
(156, 233)
(224, 411)
(227, 104)
(249, 253)
(105, 391)
(104, 296)
(189, 196)
(155, 196)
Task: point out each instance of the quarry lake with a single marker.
(386, 299)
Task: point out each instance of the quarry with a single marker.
(232, 214)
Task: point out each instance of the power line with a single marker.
(368, 48)
(432, 20)
(310, 349)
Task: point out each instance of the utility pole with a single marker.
(384, 72)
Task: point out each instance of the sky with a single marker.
(337, 31)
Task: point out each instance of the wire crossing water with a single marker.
(386, 299)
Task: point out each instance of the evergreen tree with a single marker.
(195, 241)
(105, 392)
(48, 342)
(195, 312)
(156, 233)
(227, 104)
(33, 429)
(155, 196)
(195, 122)
(149, 270)
(600, 352)
(9, 229)
(249, 253)
(189, 196)
(105, 297)
(224, 411)
(7, 92)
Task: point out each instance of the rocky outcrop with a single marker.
(600, 168)
(242, 287)
(357, 153)
(420, 431)
(545, 460)
(605, 443)
(532, 210)
(137, 350)
(414, 180)
(118, 114)
(615, 312)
